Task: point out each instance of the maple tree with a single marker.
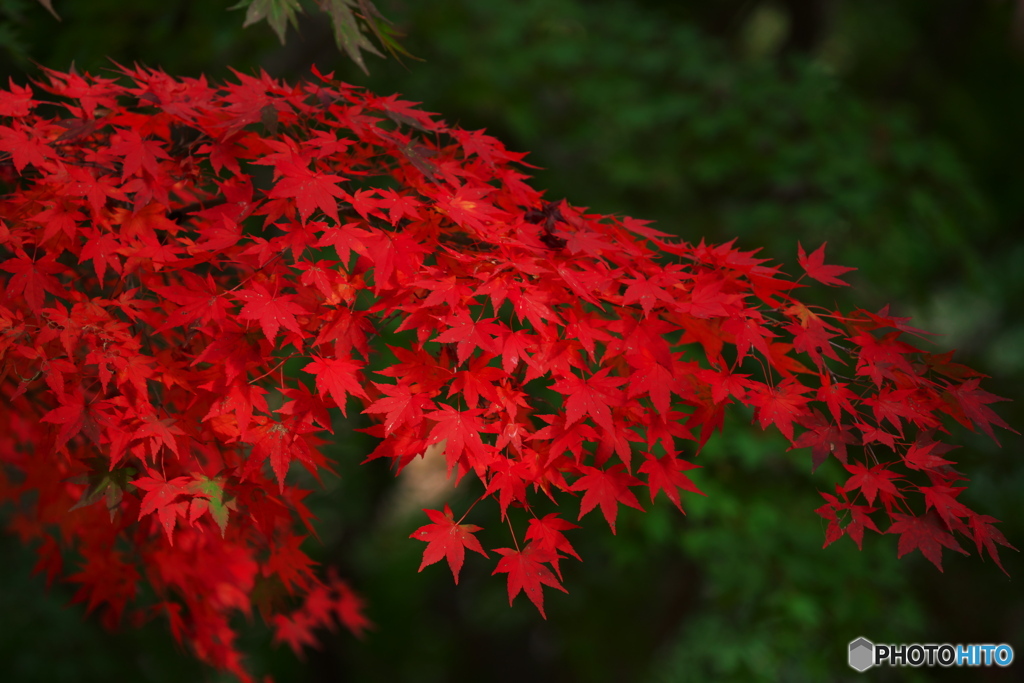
(195, 275)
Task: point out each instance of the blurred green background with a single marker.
(893, 130)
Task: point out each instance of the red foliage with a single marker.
(167, 246)
(448, 539)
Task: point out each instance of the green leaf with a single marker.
(347, 33)
(209, 495)
(278, 13)
(104, 484)
(345, 15)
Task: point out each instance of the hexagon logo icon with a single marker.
(862, 654)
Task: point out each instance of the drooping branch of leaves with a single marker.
(354, 22)
(173, 253)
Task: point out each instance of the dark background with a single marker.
(893, 130)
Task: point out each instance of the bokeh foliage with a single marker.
(888, 129)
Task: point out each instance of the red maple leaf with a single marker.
(837, 397)
(17, 101)
(546, 533)
(815, 266)
(468, 334)
(652, 378)
(648, 291)
(861, 519)
(160, 432)
(666, 474)
(25, 146)
(447, 539)
(872, 435)
(479, 380)
(290, 564)
(239, 398)
(987, 535)
(338, 377)
(467, 207)
(606, 488)
(160, 497)
(973, 401)
(321, 274)
(514, 347)
(780, 405)
(813, 337)
(526, 571)
(860, 514)
(273, 440)
(399, 206)
(725, 384)
(101, 249)
(926, 533)
(943, 500)
(824, 438)
(461, 431)
(296, 630)
(871, 482)
(348, 607)
(400, 405)
(139, 154)
(593, 396)
(311, 190)
(508, 476)
(199, 301)
(33, 278)
(70, 416)
(271, 310)
(924, 454)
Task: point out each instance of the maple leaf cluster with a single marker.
(194, 276)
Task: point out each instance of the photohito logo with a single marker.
(864, 654)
